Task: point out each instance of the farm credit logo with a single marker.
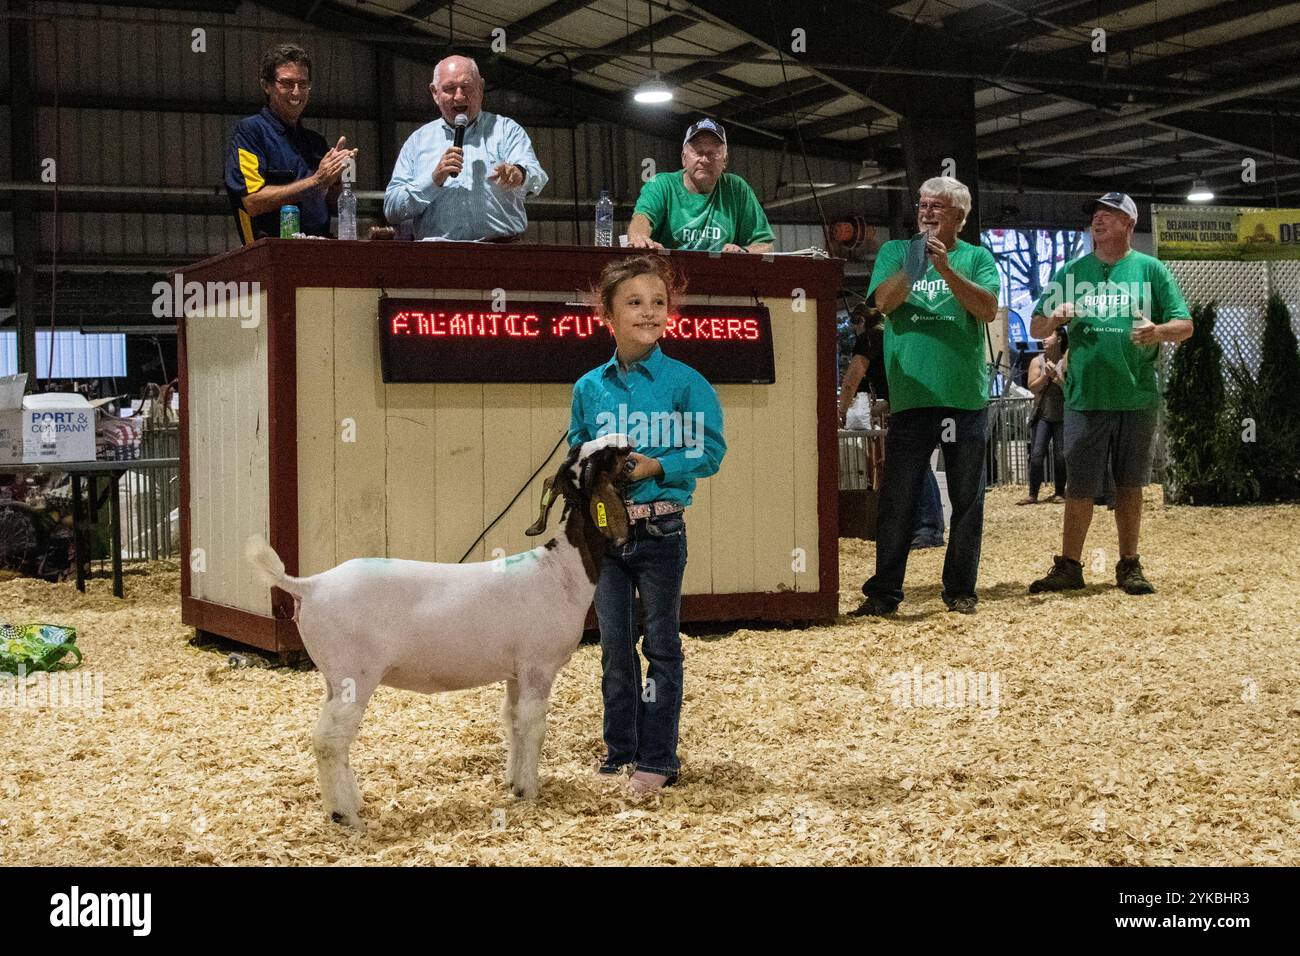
(134, 910)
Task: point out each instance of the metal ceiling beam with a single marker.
(1087, 165)
(1082, 126)
(417, 13)
(1066, 16)
(1226, 11)
(543, 18)
(1258, 137)
(983, 17)
(662, 30)
(805, 92)
(911, 49)
(588, 102)
(711, 71)
(843, 121)
(1263, 46)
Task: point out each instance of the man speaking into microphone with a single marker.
(466, 175)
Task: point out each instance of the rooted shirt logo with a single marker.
(930, 293)
(706, 234)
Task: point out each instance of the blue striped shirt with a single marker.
(668, 410)
(467, 206)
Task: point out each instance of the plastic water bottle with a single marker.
(605, 220)
(347, 213)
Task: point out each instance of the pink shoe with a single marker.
(643, 782)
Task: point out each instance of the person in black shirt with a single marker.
(865, 375)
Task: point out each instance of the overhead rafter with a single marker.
(418, 12)
(1227, 11)
(535, 82)
(543, 18)
(805, 92)
(1012, 30)
(652, 33)
(909, 45)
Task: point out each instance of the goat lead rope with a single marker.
(518, 494)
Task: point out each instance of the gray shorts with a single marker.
(1090, 435)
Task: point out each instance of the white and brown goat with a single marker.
(430, 628)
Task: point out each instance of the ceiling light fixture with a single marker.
(655, 90)
(1200, 192)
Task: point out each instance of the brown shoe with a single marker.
(1130, 579)
(1027, 501)
(1066, 575)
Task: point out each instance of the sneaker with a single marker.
(962, 605)
(873, 607)
(1066, 575)
(1056, 500)
(920, 543)
(1027, 501)
(1130, 579)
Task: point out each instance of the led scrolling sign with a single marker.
(444, 340)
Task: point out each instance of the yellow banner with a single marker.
(1191, 232)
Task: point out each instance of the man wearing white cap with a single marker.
(700, 206)
(1120, 305)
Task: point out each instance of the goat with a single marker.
(430, 628)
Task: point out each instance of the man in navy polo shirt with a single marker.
(275, 161)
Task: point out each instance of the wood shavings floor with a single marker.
(1093, 729)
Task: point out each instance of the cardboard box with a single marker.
(46, 428)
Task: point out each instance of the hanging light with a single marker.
(654, 90)
(1200, 192)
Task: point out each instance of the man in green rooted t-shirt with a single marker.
(1120, 305)
(938, 292)
(700, 206)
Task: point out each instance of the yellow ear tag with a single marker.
(601, 520)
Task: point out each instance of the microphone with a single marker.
(461, 122)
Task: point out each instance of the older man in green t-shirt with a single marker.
(938, 292)
(1120, 305)
(700, 206)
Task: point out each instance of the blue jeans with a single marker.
(912, 437)
(1045, 431)
(929, 513)
(641, 722)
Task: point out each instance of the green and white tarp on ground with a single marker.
(37, 647)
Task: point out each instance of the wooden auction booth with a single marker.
(291, 431)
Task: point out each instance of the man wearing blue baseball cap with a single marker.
(1120, 305)
(700, 206)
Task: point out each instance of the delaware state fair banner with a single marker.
(1235, 233)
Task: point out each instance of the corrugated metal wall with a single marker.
(141, 107)
(181, 105)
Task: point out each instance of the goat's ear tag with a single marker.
(601, 520)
